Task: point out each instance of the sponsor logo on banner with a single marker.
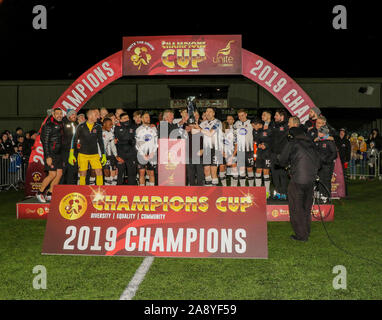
(281, 213)
(73, 206)
(223, 57)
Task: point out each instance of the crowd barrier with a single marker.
(367, 168)
(12, 173)
(13, 170)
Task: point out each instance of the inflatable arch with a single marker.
(254, 67)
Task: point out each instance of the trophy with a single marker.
(191, 107)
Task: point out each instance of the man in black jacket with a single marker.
(51, 140)
(301, 157)
(125, 136)
(327, 152)
(280, 139)
(69, 123)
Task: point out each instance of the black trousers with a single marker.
(69, 172)
(345, 177)
(130, 165)
(300, 197)
(325, 174)
(195, 174)
(279, 178)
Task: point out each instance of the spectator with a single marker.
(354, 148)
(372, 153)
(6, 146)
(375, 136)
(362, 152)
(19, 132)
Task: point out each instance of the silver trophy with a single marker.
(191, 107)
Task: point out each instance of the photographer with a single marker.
(300, 155)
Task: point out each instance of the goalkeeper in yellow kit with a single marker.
(86, 140)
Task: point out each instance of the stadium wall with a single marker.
(24, 103)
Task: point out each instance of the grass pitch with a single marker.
(292, 271)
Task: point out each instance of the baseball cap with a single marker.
(70, 112)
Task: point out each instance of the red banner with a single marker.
(281, 212)
(27, 210)
(200, 54)
(338, 180)
(278, 83)
(211, 222)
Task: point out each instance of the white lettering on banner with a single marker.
(108, 69)
(211, 240)
(275, 82)
(91, 81)
(40, 156)
(81, 89)
(77, 99)
(99, 73)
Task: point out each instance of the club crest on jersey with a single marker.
(281, 128)
(94, 131)
(147, 137)
(243, 131)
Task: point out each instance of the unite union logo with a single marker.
(223, 56)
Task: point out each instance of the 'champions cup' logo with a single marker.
(223, 57)
(184, 54)
(73, 206)
(36, 176)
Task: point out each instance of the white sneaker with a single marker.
(40, 197)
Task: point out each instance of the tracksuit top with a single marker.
(86, 141)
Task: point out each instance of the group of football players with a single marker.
(112, 149)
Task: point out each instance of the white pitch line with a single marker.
(134, 283)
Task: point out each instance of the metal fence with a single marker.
(366, 166)
(13, 170)
(12, 173)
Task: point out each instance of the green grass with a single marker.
(292, 271)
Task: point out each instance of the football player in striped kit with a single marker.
(211, 129)
(229, 155)
(244, 142)
(146, 137)
(110, 168)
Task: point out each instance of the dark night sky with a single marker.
(298, 37)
